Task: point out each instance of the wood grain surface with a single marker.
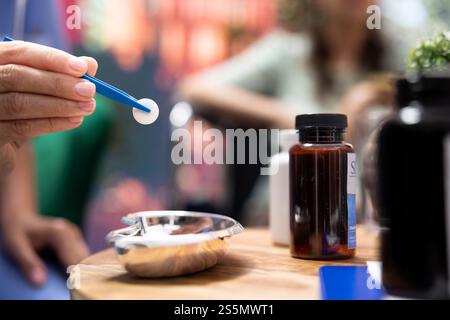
(254, 268)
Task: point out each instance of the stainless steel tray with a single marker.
(172, 243)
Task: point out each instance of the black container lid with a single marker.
(322, 120)
(428, 90)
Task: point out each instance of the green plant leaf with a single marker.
(430, 53)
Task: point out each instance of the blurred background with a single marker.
(149, 48)
(146, 48)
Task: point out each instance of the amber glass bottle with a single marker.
(322, 189)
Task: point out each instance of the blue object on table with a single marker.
(348, 283)
(110, 91)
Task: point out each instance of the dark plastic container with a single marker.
(413, 180)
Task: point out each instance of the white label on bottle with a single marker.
(351, 173)
(447, 200)
(351, 199)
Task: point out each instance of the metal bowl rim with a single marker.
(130, 242)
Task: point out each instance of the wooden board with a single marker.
(254, 268)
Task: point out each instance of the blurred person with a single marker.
(322, 50)
(318, 61)
(40, 93)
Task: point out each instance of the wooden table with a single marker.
(254, 268)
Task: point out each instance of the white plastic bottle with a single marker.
(279, 189)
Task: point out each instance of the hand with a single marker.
(25, 235)
(40, 92)
(360, 98)
(284, 119)
(365, 94)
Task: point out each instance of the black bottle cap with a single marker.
(427, 90)
(323, 120)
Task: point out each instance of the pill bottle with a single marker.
(322, 173)
(279, 189)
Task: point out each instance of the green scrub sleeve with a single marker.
(66, 164)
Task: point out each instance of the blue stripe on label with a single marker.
(351, 206)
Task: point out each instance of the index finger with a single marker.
(22, 251)
(41, 57)
(67, 241)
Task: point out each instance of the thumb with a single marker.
(22, 251)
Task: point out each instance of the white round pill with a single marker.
(146, 117)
